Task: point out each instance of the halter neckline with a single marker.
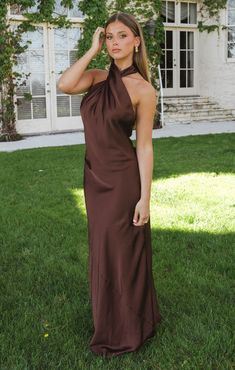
(126, 71)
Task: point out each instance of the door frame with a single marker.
(51, 123)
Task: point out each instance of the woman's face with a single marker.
(120, 40)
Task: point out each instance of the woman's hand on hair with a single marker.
(98, 39)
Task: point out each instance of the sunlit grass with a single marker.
(78, 195)
(195, 202)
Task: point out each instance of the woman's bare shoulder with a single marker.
(144, 90)
(145, 87)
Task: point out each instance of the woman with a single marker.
(117, 185)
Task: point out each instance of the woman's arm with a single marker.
(76, 79)
(144, 149)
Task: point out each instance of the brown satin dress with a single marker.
(122, 293)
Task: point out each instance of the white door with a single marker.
(51, 51)
(180, 48)
(179, 62)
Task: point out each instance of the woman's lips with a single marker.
(115, 50)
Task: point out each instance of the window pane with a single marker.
(190, 78)
(36, 60)
(39, 107)
(182, 40)
(163, 11)
(231, 17)
(60, 9)
(231, 3)
(171, 11)
(23, 109)
(190, 59)
(35, 38)
(169, 41)
(231, 52)
(169, 78)
(192, 13)
(63, 109)
(34, 8)
(61, 60)
(23, 63)
(168, 11)
(16, 9)
(163, 63)
(231, 30)
(75, 11)
(38, 84)
(57, 76)
(163, 73)
(190, 40)
(75, 103)
(60, 38)
(184, 13)
(231, 35)
(72, 56)
(73, 36)
(25, 88)
(169, 59)
(231, 43)
(183, 59)
(183, 78)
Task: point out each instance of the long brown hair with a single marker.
(140, 59)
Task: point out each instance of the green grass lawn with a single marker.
(46, 319)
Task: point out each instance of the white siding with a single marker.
(216, 72)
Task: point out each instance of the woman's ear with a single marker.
(137, 38)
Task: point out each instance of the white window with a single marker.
(188, 13)
(168, 11)
(231, 29)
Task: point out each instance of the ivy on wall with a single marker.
(96, 13)
(210, 14)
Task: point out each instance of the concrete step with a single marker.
(200, 113)
(200, 119)
(168, 107)
(182, 100)
(195, 108)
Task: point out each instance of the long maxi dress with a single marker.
(123, 298)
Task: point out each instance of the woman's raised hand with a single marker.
(98, 39)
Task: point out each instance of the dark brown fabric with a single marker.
(123, 297)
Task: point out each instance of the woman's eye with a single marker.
(108, 37)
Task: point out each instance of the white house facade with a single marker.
(197, 69)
